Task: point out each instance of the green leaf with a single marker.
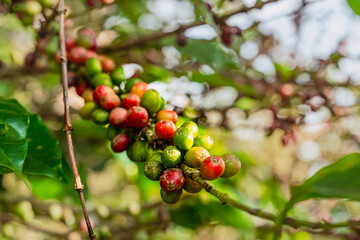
(338, 180)
(208, 52)
(44, 152)
(355, 6)
(14, 121)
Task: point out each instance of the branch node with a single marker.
(68, 128)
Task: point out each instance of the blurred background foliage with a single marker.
(283, 97)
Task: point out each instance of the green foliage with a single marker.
(355, 6)
(338, 180)
(26, 145)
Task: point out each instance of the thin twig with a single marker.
(130, 43)
(68, 127)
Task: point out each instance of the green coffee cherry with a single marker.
(93, 67)
(163, 103)
(171, 156)
(101, 79)
(87, 110)
(153, 169)
(118, 76)
(204, 141)
(151, 101)
(100, 116)
(232, 165)
(192, 127)
(139, 151)
(129, 83)
(183, 138)
(171, 197)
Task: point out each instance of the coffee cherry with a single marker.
(170, 197)
(172, 180)
(88, 95)
(163, 103)
(171, 157)
(286, 90)
(106, 97)
(183, 138)
(112, 131)
(192, 127)
(101, 91)
(153, 169)
(87, 110)
(130, 100)
(139, 151)
(101, 79)
(165, 129)
(93, 67)
(137, 117)
(100, 116)
(166, 114)
(212, 168)
(150, 100)
(86, 31)
(78, 55)
(204, 141)
(30, 59)
(120, 143)
(130, 83)
(191, 186)
(108, 65)
(226, 35)
(232, 165)
(69, 43)
(118, 76)
(90, 54)
(139, 88)
(86, 41)
(195, 156)
(117, 117)
(91, 3)
(107, 1)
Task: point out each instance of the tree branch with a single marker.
(130, 43)
(225, 199)
(68, 127)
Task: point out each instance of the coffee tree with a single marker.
(165, 97)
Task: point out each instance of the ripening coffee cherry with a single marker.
(130, 100)
(117, 117)
(192, 127)
(139, 88)
(153, 170)
(87, 110)
(212, 168)
(139, 151)
(101, 79)
(120, 143)
(171, 197)
(150, 100)
(100, 116)
(130, 83)
(86, 41)
(107, 64)
(106, 97)
(137, 117)
(183, 138)
(204, 141)
(93, 67)
(232, 165)
(195, 156)
(165, 129)
(286, 90)
(86, 31)
(88, 95)
(77, 55)
(69, 43)
(80, 88)
(172, 180)
(191, 186)
(166, 114)
(171, 157)
(118, 76)
(90, 54)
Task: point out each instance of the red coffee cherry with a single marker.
(120, 143)
(172, 180)
(69, 43)
(137, 117)
(106, 97)
(130, 100)
(166, 114)
(117, 117)
(81, 87)
(107, 64)
(78, 55)
(139, 88)
(165, 129)
(212, 168)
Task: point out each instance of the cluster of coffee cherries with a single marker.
(97, 3)
(26, 9)
(137, 122)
